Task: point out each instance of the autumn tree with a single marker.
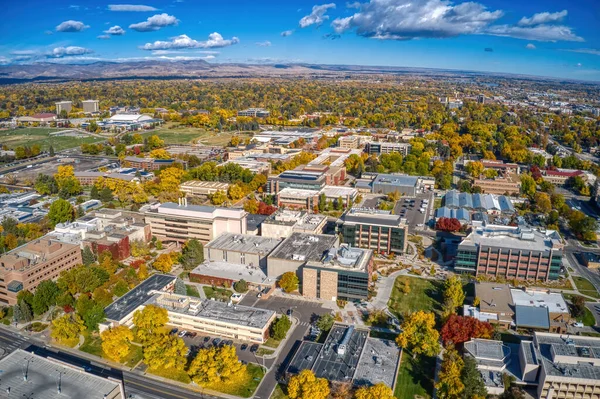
(450, 385)
(163, 263)
(218, 198)
(460, 329)
(213, 367)
(475, 169)
(149, 322)
(447, 224)
(306, 385)
(377, 391)
(542, 202)
(165, 352)
(454, 295)
(116, 342)
(66, 329)
(289, 282)
(528, 186)
(419, 335)
(251, 206)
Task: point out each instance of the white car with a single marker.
(182, 334)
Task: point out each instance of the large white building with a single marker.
(63, 106)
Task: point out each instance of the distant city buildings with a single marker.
(378, 148)
(254, 113)
(63, 106)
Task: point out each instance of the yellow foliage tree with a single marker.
(419, 334)
(454, 295)
(218, 198)
(450, 385)
(163, 263)
(66, 329)
(306, 386)
(235, 192)
(170, 179)
(142, 272)
(116, 342)
(166, 351)
(216, 366)
(160, 153)
(149, 322)
(377, 391)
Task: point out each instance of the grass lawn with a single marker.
(588, 318)
(585, 287)
(135, 355)
(92, 344)
(415, 377)
(187, 135)
(264, 351)
(176, 375)
(192, 291)
(424, 295)
(272, 343)
(41, 135)
(220, 294)
(37, 326)
(247, 390)
(279, 392)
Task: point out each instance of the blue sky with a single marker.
(547, 38)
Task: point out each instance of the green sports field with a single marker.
(29, 136)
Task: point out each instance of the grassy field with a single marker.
(585, 287)
(415, 378)
(41, 135)
(93, 346)
(191, 290)
(176, 375)
(187, 135)
(424, 295)
(588, 318)
(220, 294)
(279, 392)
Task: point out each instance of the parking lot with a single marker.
(409, 208)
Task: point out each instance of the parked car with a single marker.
(254, 348)
(244, 347)
(182, 334)
(206, 339)
(216, 341)
(192, 334)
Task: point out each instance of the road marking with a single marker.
(156, 390)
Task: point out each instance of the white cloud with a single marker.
(287, 33)
(592, 51)
(215, 40)
(60, 52)
(413, 19)
(103, 37)
(4, 60)
(543, 18)
(541, 33)
(410, 19)
(530, 46)
(317, 16)
(578, 64)
(356, 5)
(115, 31)
(154, 23)
(130, 7)
(71, 26)
(266, 43)
(48, 32)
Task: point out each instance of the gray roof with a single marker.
(460, 213)
(515, 238)
(42, 376)
(340, 367)
(371, 218)
(532, 317)
(137, 296)
(580, 348)
(481, 202)
(244, 243)
(485, 349)
(378, 363)
(396, 180)
(304, 247)
(305, 357)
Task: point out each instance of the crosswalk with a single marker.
(9, 344)
(304, 324)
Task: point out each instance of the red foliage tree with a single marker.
(264, 209)
(447, 224)
(460, 329)
(536, 173)
(137, 263)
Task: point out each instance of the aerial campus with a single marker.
(370, 200)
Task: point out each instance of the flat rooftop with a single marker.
(371, 217)
(335, 366)
(378, 363)
(396, 180)
(233, 271)
(339, 191)
(300, 219)
(553, 301)
(345, 258)
(213, 311)
(494, 297)
(532, 317)
(289, 192)
(205, 184)
(305, 357)
(123, 306)
(576, 355)
(42, 376)
(199, 211)
(245, 243)
(304, 247)
(514, 238)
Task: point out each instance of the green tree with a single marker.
(241, 286)
(528, 186)
(192, 254)
(61, 211)
(44, 297)
(280, 327)
(474, 387)
(88, 256)
(105, 195)
(325, 322)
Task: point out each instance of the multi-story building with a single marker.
(349, 142)
(509, 184)
(500, 166)
(377, 230)
(298, 249)
(90, 106)
(404, 184)
(285, 221)
(334, 175)
(90, 178)
(180, 222)
(344, 273)
(150, 163)
(304, 180)
(309, 199)
(511, 252)
(254, 113)
(205, 188)
(25, 267)
(559, 177)
(252, 165)
(63, 106)
(378, 148)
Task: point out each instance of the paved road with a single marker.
(583, 271)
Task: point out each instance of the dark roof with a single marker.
(312, 247)
(137, 296)
(253, 221)
(340, 367)
(305, 357)
(532, 317)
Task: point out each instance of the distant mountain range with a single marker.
(200, 69)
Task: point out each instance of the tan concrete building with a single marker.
(510, 184)
(495, 300)
(180, 222)
(349, 142)
(206, 188)
(285, 221)
(25, 267)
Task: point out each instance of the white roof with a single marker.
(552, 300)
(130, 118)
